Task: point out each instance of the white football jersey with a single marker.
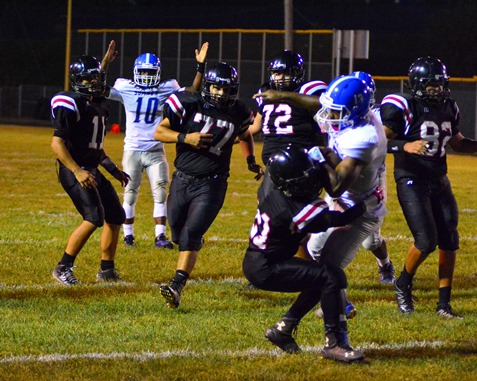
(367, 143)
(143, 107)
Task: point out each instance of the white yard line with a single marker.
(253, 352)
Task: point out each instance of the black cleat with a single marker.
(404, 299)
(172, 296)
(342, 353)
(281, 335)
(446, 311)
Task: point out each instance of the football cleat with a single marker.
(386, 273)
(64, 274)
(446, 311)
(171, 294)
(404, 298)
(342, 353)
(108, 275)
(281, 335)
(129, 241)
(162, 242)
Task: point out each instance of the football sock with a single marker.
(67, 260)
(128, 229)
(160, 229)
(405, 279)
(444, 295)
(180, 277)
(106, 265)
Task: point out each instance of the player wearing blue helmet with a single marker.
(143, 99)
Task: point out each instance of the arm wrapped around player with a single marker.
(113, 169)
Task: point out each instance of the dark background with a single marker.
(32, 32)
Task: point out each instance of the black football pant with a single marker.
(315, 282)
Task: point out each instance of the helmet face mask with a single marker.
(147, 70)
(428, 81)
(294, 173)
(286, 71)
(344, 104)
(220, 86)
(86, 76)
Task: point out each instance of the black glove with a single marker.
(254, 167)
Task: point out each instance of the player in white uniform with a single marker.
(375, 242)
(357, 137)
(143, 99)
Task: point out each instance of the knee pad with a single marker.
(372, 242)
(159, 192)
(130, 197)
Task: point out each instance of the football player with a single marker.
(357, 138)
(79, 120)
(279, 118)
(375, 241)
(419, 126)
(204, 126)
(289, 208)
(143, 99)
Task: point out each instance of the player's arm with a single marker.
(109, 56)
(311, 102)
(201, 57)
(85, 178)
(166, 134)
(113, 169)
(417, 147)
(460, 143)
(256, 126)
(248, 150)
(336, 181)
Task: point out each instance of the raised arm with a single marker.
(201, 57)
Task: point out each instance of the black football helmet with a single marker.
(224, 76)
(86, 76)
(292, 66)
(429, 71)
(295, 173)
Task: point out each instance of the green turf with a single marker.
(125, 331)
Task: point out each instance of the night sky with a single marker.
(32, 32)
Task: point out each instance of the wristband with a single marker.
(200, 67)
(181, 138)
(396, 146)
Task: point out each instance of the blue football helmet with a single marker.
(147, 70)
(344, 104)
(368, 79)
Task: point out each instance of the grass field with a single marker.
(125, 331)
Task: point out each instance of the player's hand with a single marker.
(269, 96)
(199, 140)
(254, 167)
(122, 177)
(201, 55)
(109, 56)
(85, 178)
(417, 147)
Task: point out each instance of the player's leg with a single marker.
(133, 167)
(157, 170)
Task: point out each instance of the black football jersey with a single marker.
(188, 112)
(283, 123)
(81, 123)
(413, 120)
(282, 222)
